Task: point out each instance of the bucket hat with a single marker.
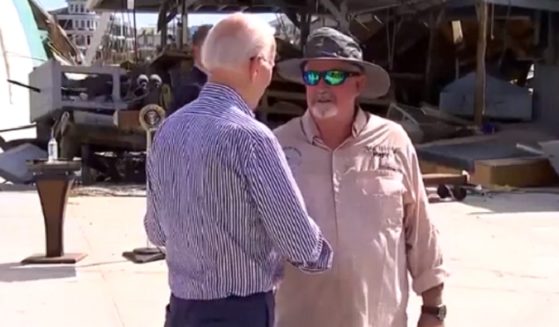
(326, 43)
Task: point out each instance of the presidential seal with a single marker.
(151, 117)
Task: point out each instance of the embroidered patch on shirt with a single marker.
(293, 156)
(384, 157)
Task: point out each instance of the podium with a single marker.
(54, 181)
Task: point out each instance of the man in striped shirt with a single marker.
(221, 197)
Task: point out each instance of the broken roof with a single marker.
(263, 6)
(353, 6)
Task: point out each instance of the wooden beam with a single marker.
(340, 14)
(305, 28)
(292, 16)
(434, 23)
(552, 39)
(480, 88)
(544, 5)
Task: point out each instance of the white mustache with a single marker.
(324, 97)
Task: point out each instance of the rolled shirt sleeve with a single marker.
(424, 255)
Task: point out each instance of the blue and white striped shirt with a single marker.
(222, 200)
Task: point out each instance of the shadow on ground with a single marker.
(499, 203)
(14, 272)
(8, 187)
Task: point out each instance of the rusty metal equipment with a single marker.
(54, 181)
(102, 104)
(448, 185)
(151, 117)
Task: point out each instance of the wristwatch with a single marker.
(438, 311)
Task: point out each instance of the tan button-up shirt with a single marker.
(369, 200)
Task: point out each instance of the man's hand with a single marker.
(426, 320)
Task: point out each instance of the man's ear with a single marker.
(253, 68)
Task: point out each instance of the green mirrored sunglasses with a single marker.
(330, 77)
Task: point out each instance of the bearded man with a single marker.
(361, 182)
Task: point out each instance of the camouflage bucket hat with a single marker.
(326, 43)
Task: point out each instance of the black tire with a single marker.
(443, 191)
(459, 193)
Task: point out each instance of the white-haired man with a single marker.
(360, 179)
(221, 196)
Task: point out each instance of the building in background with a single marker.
(81, 24)
(149, 40)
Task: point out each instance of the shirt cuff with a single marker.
(324, 261)
(429, 279)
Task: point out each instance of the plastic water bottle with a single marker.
(52, 150)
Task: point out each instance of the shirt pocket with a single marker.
(382, 191)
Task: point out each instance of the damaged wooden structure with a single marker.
(507, 43)
(352, 16)
(431, 49)
(424, 45)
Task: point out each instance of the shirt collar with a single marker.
(200, 68)
(224, 93)
(311, 130)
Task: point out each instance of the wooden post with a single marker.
(434, 23)
(305, 28)
(480, 88)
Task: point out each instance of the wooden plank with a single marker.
(128, 120)
(428, 167)
(544, 5)
(434, 23)
(515, 172)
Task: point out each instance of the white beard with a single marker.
(324, 110)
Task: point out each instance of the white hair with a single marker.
(234, 40)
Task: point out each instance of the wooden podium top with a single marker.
(41, 166)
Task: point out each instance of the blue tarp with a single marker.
(32, 32)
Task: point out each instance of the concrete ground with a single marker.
(503, 252)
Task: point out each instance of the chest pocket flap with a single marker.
(382, 191)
